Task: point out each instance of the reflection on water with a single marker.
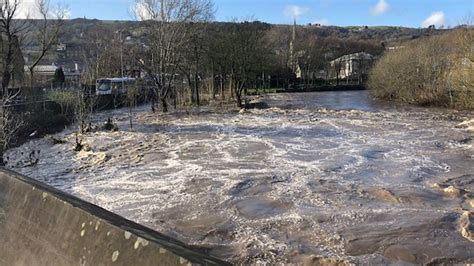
(357, 181)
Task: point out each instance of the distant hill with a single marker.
(80, 34)
(74, 28)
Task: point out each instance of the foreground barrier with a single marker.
(40, 225)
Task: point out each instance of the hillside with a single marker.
(80, 31)
(85, 39)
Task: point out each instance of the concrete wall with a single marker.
(40, 225)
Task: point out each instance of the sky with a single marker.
(411, 13)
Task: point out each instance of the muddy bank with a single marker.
(300, 184)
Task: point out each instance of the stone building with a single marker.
(352, 66)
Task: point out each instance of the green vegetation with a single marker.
(75, 104)
(434, 71)
(67, 100)
(59, 77)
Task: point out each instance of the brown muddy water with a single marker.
(318, 177)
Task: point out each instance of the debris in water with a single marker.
(467, 225)
(452, 191)
(110, 126)
(468, 124)
(318, 260)
(34, 134)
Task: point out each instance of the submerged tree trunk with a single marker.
(212, 88)
(130, 116)
(153, 95)
(5, 81)
(221, 84)
(239, 101)
(196, 89)
(164, 105)
(175, 100)
(231, 87)
(32, 78)
(239, 88)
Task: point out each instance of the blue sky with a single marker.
(413, 13)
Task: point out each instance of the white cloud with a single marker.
(67, 14)
(28, 9)
(323, 22)
(436, 18)
(294, 11)
(380, 8)
(141, 11)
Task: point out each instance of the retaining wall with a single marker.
(40, 225)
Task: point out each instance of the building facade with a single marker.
(352, 66)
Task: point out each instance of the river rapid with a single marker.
(329, 177)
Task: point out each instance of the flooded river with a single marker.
(317, 177)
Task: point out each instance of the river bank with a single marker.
(318, 175)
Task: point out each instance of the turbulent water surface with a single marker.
(294, 183)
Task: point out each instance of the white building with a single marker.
(352, 65)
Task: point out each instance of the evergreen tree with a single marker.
(59, 77)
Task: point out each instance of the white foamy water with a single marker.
(280, 184)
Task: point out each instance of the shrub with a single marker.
(66, 99)
(436, 70)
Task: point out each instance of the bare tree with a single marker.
(101, 56)
(241, 56)
(47, 31)
(248, 57)
(193, 61)
(83, 111)
(10, 123)
(168, 25)
(219, 50)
